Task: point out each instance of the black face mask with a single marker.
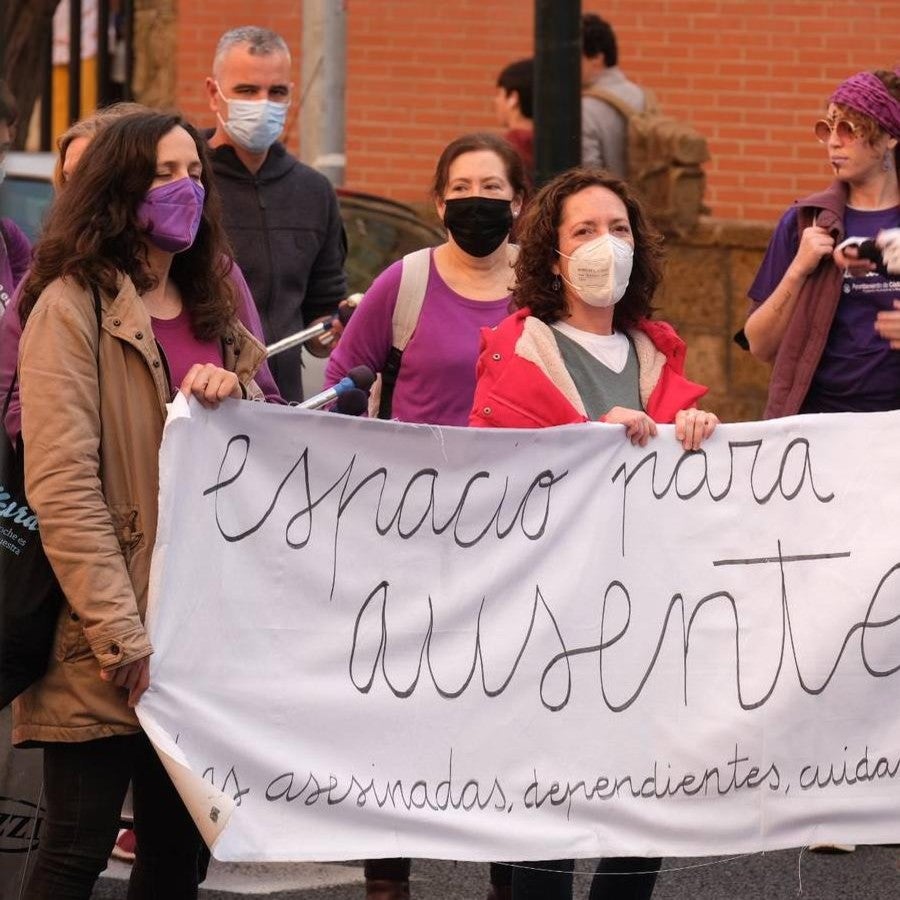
(478, 225)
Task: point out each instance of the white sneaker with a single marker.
(831, 848)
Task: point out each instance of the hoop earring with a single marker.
(556, 284)
(886, 161)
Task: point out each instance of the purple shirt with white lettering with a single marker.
(858, 371)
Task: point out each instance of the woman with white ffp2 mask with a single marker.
(599, 270)
(581, 347)
(589, 264)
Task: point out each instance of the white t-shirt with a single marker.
(610, 349)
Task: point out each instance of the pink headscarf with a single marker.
(867, 94)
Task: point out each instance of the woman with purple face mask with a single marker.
(826, 317)
(71, 144)
(128, 300)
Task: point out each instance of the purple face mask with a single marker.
(171, 214)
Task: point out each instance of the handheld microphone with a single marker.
(362, 377)
(299, 337)
(353, 403)
(358, 378)
(346, 309)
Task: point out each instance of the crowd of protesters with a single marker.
(133, 291)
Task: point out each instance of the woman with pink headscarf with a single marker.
(823, 313)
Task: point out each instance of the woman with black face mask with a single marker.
(479, 186)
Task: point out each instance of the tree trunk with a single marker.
(26, 25)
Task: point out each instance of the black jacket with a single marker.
(286, 231)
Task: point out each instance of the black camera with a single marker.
(867, 249)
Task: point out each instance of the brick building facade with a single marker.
(751, 76)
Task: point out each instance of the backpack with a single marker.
(30, 595)
(665, 162)
(410, 297)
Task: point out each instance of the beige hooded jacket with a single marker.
(91, 470)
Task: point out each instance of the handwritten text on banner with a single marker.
(386, 640)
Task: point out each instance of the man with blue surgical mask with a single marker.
(281, 216)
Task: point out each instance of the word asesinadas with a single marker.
(394, 793)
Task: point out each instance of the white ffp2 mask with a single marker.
(600, 269)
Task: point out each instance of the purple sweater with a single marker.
(15, 258)
(11, 333)
(437, 377)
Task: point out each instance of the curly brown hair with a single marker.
(93, 234)
(537, 287)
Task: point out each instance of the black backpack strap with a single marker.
(389, 375)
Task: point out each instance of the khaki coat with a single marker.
(91, 472)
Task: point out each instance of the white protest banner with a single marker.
(382, 640)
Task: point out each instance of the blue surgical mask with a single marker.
(254, 125)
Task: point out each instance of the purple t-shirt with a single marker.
(436, 384)
(182, 349)
(858, 371)
(15, 258)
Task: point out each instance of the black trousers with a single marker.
(398, 870)
(392, 869)
(615, 878)
(84, 786)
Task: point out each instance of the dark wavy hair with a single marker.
(93, 234)
(538, 237)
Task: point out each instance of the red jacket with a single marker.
(523, 382)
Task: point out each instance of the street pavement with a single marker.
(871, 873)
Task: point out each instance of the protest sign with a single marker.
(374, 639)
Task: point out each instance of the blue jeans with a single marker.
(84, 787)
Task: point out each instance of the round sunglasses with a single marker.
(844, 128)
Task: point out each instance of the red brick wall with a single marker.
(751, 76)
